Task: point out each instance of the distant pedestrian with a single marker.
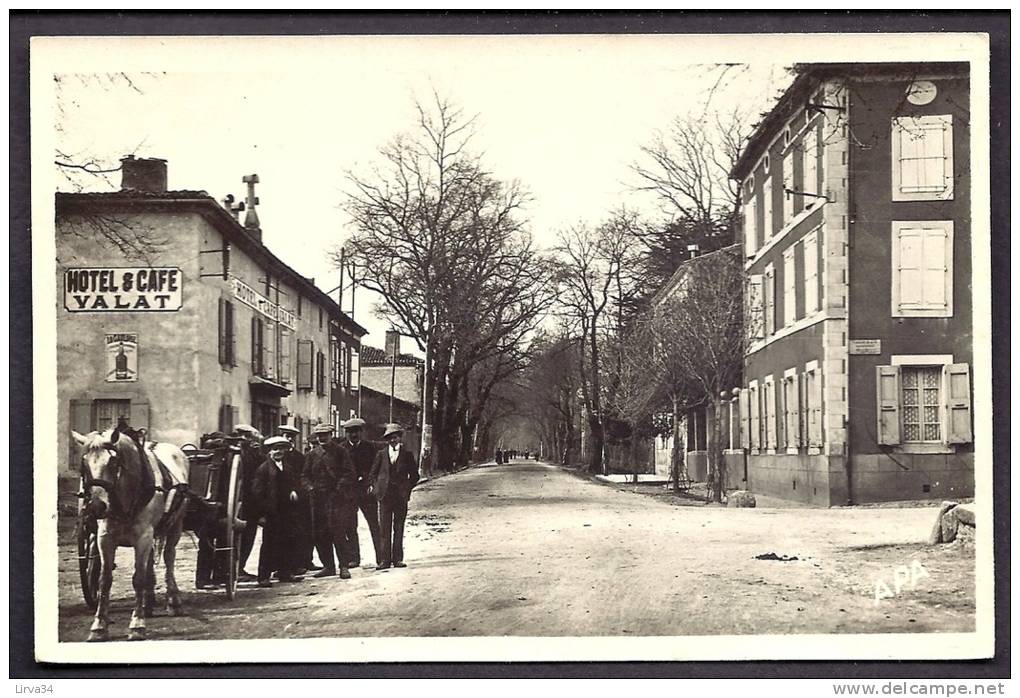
(275, 497)
(394, 474)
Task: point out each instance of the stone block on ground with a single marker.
(742, 499)
(936, 530)
(965, 514)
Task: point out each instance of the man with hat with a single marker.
(250, 443)
(394, 474)
(362, 453)
(331, 478)
(294, 464)
(274, 497)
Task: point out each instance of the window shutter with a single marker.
(285, 355)
(269, 350)
(810, 273)
(793, 438)
(304, 364)
(231, 342)
(770, 300)
(225, 425)
(958, 418)
(355, 369)
(789, 287)
(935, 269)
(750, 227)
(80, 419)
(766, 203)
(256, 350)
(756, 306)
(745, 420)
(780, 419)
(140, 415)
(810, 176)
(755, 435)
(813, 391)
(788, 185)
(887, 379)
(222, 327)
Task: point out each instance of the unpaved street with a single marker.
(532, 549)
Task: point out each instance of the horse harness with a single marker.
(148, 487)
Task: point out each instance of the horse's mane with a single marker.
(101, 440)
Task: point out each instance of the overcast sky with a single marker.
(564, 115)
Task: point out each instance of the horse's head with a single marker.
(107, 470)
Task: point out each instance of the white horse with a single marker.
(130, 505)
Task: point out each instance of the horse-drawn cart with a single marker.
(213, 500)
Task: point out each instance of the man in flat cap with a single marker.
(331, 477)
(274, 498)
(362, 453)
(251, 444)
(394, 474)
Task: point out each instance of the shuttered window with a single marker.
(766, 205)
(750, 227)
(226, 339)
(256, 345)
(320, 373)
(769, 294)
(789, 287)
(304, 364)
(923, 404)
(809, 153)
(922, 268)
(754, 432)
(745, 419)
(768, 399)
(789, 200)
(810, 273)
(286, 339)
(269, 350)
(756, 306)
(813, 406)
(922, 158)
(355, 369)
(791, 405)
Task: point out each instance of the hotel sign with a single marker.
(865, 347)
(123, 289)
(253, 299)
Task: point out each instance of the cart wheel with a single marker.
(233, 509)
(88, 560)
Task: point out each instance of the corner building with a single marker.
(857, 246)
(206, 330)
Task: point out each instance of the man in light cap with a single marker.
(274, 496)
(331, 478)
(362, 453)
(394, 474)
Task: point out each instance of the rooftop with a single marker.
(374, 356)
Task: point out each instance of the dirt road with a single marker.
(531, 549)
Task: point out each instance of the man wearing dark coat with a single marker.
(294, 465)
(274, 496)
(330, 475)
(394, 474)
(362, 454)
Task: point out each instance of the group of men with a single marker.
(309, 502)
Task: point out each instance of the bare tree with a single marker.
(592, 272)
(441, 240)
(698, 339)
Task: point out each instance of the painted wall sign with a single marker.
(123, 289)
(121, 358)
(253, 299)
(865, 347)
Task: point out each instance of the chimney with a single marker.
(251, 218)
(143, 174)
(392, 344)
(693, 250)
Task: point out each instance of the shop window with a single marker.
(922, 268)
(923, 403)
(922, 158)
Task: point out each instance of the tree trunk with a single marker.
(677, 453)
(716, 461)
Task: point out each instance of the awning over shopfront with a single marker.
(263, 387)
